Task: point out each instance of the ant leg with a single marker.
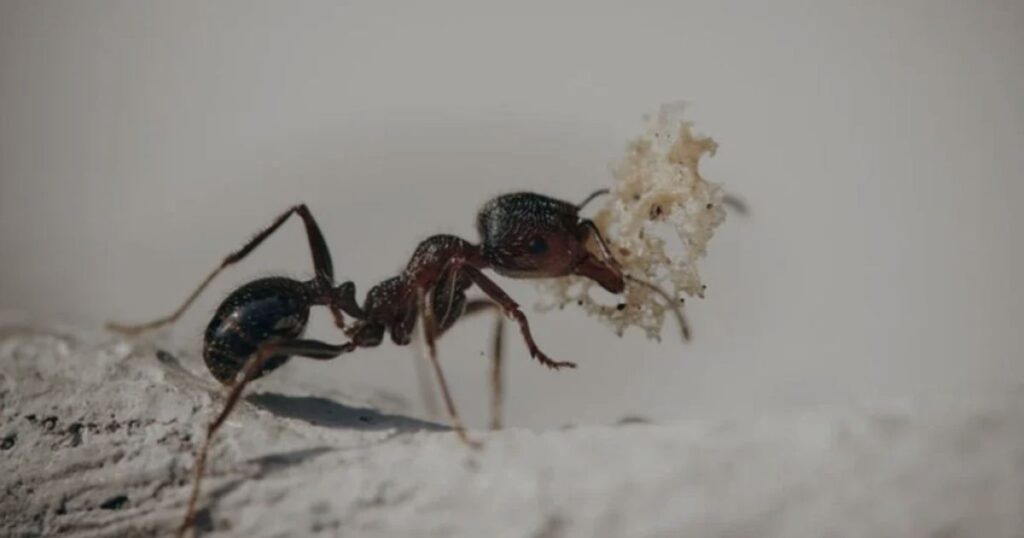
(321, 264)
(497, 347)
(429, 334)
(311, 349)
(426, 388)
(512, 310)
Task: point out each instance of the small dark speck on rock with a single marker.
(75, 431)
(50, 422)
(620, 306)
(8, 442)
(114, 503)
(364, 418)
(632, 419)
(204, 521)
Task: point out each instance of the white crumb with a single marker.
(658, 188)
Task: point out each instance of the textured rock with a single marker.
(97, 438)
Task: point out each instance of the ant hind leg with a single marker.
(321, 263)
(311, 349)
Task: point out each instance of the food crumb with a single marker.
(658, 188)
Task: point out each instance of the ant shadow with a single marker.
(316, 410)
(330, 414)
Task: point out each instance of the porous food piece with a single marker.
(658, 190)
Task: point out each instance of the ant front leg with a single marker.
(311, 349)
(512, 310)
(321, 264)
(429, 333)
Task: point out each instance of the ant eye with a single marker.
(538, 246)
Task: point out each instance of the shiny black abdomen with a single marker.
(265, 310)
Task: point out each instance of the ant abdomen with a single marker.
(262, 311)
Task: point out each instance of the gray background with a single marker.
(877, 143)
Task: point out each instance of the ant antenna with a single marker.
(595, 194)
(669, 302)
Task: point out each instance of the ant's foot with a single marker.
(554, 365)
(473, 444)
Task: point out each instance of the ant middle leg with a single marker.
(497, 349)
(496, 376)
(512, 310)
(428, 332)
(311, 349)
(321, 264)
(426, 388)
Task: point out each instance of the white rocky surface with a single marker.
(98, 434)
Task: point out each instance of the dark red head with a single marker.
(527, 235)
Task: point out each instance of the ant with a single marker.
(259, 326)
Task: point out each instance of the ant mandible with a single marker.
(259, 326)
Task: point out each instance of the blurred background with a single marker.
(877, 144)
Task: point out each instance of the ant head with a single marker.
(527, 235)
